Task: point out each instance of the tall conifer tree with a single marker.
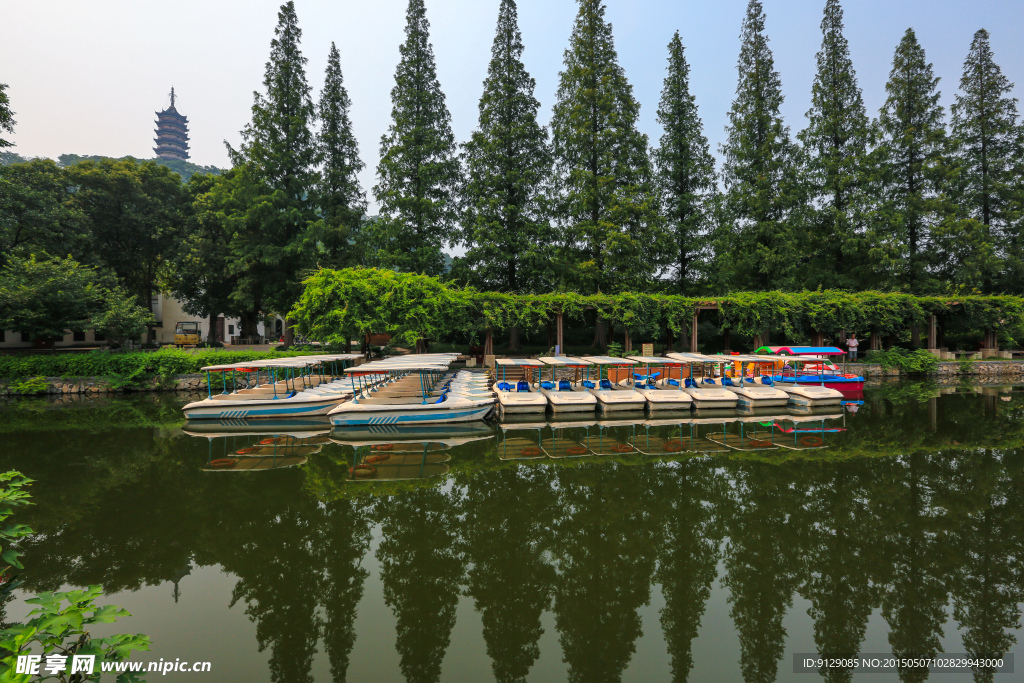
(604, 195)
(759, 170)
(913, 169)
(508, 163)
(6, 116)
(419, 172)
(341, 200)
(278, 153)
(686, 171)
(835, 143)
(985, 133)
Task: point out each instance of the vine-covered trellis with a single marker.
(338, 305)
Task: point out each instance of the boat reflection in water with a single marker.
(391, 453)
(710, 431)
(244, 446)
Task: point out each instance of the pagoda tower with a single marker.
(171, 133)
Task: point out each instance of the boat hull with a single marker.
(714, 399)
(663, 400)
(410, 414)
(612, 400)
(570, 401)
(216, 409)
(522, 402)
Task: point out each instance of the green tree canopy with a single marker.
(340, 198)
(505, 227)
(6, 116)
(604, 199)
(135, 212)
(279, 153)
(38, 214)
(836, 143)
(686, 174)
(912, 176)
(46, 298)
(758, 246)
(418, 174)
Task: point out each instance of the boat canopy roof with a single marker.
(609, 360)
(565, 361)
(519, 362)
(700, 358)
(654, 360)
(268, 363)
(801, 350)
(408, 362)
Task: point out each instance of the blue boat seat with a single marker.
(637, 377)
(564, 385)
(504, 386)
(523, 385)
(727, 382)
(589, 384)
(709, 380)
(674, 382)
(547, 385)
(440, 399)
(655, 375)
(605, 384)
(690, 384)
(290, 394)
(766, 380)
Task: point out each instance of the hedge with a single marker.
(340, 304)
(135, 365)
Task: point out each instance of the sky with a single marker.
(86, 77)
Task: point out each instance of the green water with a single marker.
(904, 535)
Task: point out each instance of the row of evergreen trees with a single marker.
(897, 202)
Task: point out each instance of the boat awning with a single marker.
(655, 360)
(565, 361)
(801, 351)
(700, 358)
(519, 362)
(408, 363)
(268, 363)
(609, 360)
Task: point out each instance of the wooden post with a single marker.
(629, 341)
(489, 343)
(875, 342)
(693, 334)
(727, 340)
(933, 332)
(559, 339)
(817, 339)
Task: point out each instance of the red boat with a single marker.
(811, 367)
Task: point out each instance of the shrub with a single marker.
(918, 362)
(128, 369)
(29, 386)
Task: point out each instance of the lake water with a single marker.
(710, 549)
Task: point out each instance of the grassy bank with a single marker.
(127, 369)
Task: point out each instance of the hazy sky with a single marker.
(86, 77)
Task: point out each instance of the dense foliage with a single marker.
(908, 201)
(137, 365)
(338, 305)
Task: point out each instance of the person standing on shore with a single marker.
(852, 345)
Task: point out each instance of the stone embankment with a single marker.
(70, 386)
(994, 368)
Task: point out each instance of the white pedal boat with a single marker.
(519, 397)
(706, 396)
(564, 395)
(409, 411)
(756, 395)
(811, 396)
(665, 396)
(225, 406)
(612, 396)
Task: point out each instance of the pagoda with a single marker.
(171, 133)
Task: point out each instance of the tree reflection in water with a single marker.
(507, 527)
(421, 570)
(899, 516)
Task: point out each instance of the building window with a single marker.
(25, 337)
(78, 337)
(3, 336)
(98, 337)
(231, 330)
